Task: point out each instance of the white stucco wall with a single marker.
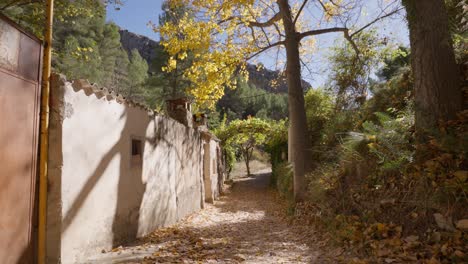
(210, 168)
(214, 169)
(97, 198)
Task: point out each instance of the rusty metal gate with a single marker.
(20, 64)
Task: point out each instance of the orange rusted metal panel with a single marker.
(20, 66)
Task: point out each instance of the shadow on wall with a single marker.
(130, 191)
(134, 200)
(141, 204)
(181, 147)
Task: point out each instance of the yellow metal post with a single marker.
(44, 137)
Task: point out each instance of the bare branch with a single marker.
(278, 30)
(321, 31)
(324, 7)
(268, 23)
(266, 35)
(226, 20)
(348, 37)
(265, 49)
(335, 4)
(345, 31)
(252, 32)
(306, 66)
(300, 11)
(351, 41)
(376, 20)
(263, 30)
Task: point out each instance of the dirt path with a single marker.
(247, 225)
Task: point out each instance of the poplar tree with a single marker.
(437, 83)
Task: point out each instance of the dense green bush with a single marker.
(319, 109)
(277, 146)
(284, 182)
(229, 152)
(243, 136)
(386, 142)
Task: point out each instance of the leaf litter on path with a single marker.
(247, 225)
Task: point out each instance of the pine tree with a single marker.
(137, 75)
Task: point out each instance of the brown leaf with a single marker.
(443, 222)
(462, 224)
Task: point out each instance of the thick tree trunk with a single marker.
(437, 91)
(297, 117)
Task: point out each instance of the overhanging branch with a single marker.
(348, 37)
(376, 20)
(268, 23)
(351, 41)
(345, 31)
(321, 31)
(300, 11)
(265, 49)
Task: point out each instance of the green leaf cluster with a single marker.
(85, 46)
(248, 100)
(243, 136)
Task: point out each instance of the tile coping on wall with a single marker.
(99, 92)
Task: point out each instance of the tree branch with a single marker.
(264, 49)
(324, 7)
(351, 41)
(321, 31)
(376, 20)
(345, 31)
(268, 23)
(300, 11)
(278, 30)
(348, 37)
(226, 20)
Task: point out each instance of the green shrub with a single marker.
(386, 142)
(319, 109)
(322, 180)
(277, 146)
(283, 176)
(284, 180)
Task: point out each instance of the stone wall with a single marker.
(117, 171)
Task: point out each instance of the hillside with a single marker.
(146, 46)
(263, 78)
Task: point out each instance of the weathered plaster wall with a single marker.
(210, 168)
(100, 195)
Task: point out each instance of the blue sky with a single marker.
(134, 15)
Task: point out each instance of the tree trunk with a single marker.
(228, 168)
(174, 84)
(437, 89)
(220, 170)
(247, 161)
(297, 117)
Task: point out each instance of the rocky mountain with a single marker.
(263, 78)
(269, 80)
(147, 47)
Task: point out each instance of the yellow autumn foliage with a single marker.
(221, 36)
